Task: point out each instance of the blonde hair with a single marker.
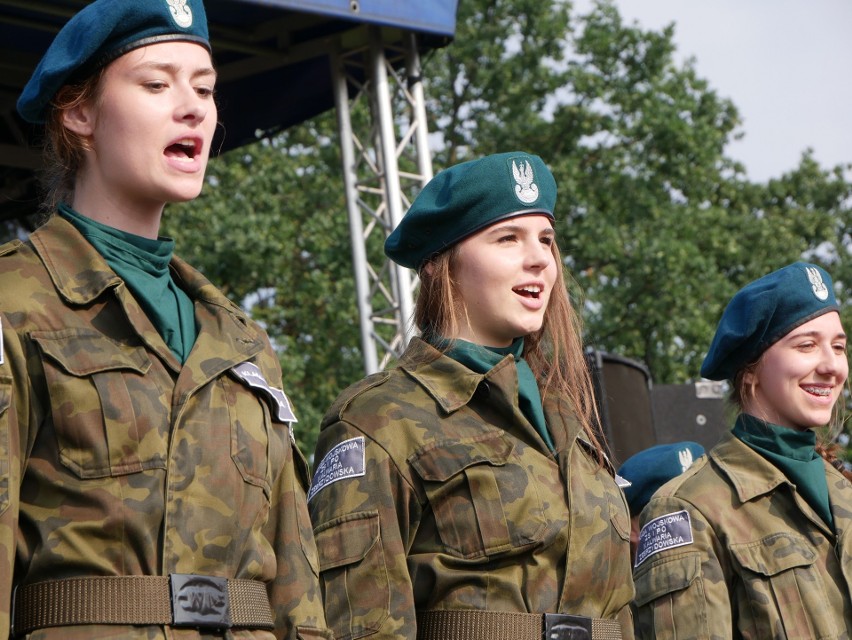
(554, 352)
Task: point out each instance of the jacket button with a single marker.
(483, 390)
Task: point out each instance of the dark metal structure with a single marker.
(281, 62)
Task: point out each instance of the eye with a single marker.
(806, 346)
(205, 92)
(155, 86)
(509, 237)
(547, 240)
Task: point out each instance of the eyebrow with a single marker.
(817, 334)
(173, 69)
(516, 228)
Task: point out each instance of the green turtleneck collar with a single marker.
(482, 359)
(143, 264)
(794, 453)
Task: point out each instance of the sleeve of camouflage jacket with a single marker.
(13, 400)
(681, 588)
(362, 533)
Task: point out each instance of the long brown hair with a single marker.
(826, 446)
(64, 150)
(554, 352)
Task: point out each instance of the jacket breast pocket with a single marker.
(110, 418)
(784, 586)
(484, 500)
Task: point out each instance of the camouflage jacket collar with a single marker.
(80, 275)
(77, 270)
(750, 473)
(448, 382)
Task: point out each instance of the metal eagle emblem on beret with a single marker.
(181, 12)
(817, 284)
(525, 189)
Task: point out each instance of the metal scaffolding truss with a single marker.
(386, 161)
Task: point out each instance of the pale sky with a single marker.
(785, 64)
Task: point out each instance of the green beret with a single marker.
(651, 468)
(468, 197)
(763, 312)
(100, 33)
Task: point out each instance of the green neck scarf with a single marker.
(793, 452)
(482, 359)
(143, 264)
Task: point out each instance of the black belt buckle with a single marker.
(563, 626)
(200, 601)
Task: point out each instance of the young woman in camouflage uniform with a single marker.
(463, 494)
(754, 541)
(150, 486)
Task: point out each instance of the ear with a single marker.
(429, 268)
(80, 119)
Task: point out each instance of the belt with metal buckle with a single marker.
(179, 600)
(504, 625)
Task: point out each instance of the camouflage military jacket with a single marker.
(116, 460)
(731, 550)
(432, 491)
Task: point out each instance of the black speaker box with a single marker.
(623, 395)
(690, 412)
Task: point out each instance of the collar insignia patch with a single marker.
(252, 375)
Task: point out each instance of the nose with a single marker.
(539, 255)
(833, 363)
(191, 106)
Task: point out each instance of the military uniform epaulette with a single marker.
(10, 247)
(338, 408)
(671, 487)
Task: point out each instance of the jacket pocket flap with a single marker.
(773, 554)
(665, 576)
(440, 461)
(346, 540)
(82, 353)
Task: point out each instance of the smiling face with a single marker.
(149, 131)
(504, 275)
(799, 378)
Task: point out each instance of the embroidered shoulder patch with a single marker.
(252, 375)
(666, 532)
(345, 460)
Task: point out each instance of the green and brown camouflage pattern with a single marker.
(462, 506)
(116, 460)
(762, 565)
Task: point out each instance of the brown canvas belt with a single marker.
(502, 625)
(179, 599)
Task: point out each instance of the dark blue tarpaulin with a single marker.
(423, 16)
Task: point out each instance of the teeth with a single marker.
(531, 289)
(818, 391)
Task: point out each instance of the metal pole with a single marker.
(356, 224)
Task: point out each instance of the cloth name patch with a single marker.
(666, 532)
(253, 377)
(345, 460)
